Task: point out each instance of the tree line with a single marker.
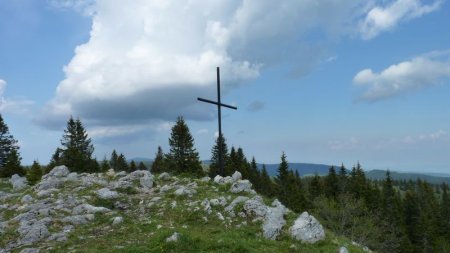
(385, 215)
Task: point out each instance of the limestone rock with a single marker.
(234, 203)
(236, 176)
(223, 180)
(111, 173)
(30, 250)
(106, 193)
(79, 219)
(343, 250)
(26, 199)
(58, 171)
(18, 182)
(185, 191)
(307, 229)
(241, 186)
(164, 176)
(221, 201)
(89, 209)
(31, 232)
(256, 208)
(117, 220)
(274, 221)
(173, 238)
(205, 179)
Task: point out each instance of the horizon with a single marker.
(326, 83)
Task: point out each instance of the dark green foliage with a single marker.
(34, 174)
(315, 188)
(76, 151)
(183, 157)
(159, 163)
(7, 145)
(214, 168)
(104, 166)
(332, 183)
(113, 161)
(268, 187)
(13, 165)
(7, 142)
(141, 166)
(122, 164)
(132, 167)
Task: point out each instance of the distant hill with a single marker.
(303, 169)
(381, 174)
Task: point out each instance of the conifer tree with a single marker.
(77, 149)
(13, 165)
(114, 160)
(104, 166)
(267, 185)
(214, 167)
(315, 187)
(282, 180)
(54, 161)
(183, 157)
(141, 166)
(34, 174)
(159, 163)
(254, 175)
(122, 164)
(7, 145)
(331, 183)
(133, 166)
(342, 179)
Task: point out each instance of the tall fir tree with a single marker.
(267, 185)
(282, 180)
(113, 160)
(315, 187)
(214, 167)
(122, 164)
(183, 157)
(104, 166)
(159, 163)
(331, 183)
(141, 166)
(133, 166)
(77, 149)
(34, 174)
(7, 145)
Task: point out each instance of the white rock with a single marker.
(185, 191)
(274, 222)
(111, 173)
(89, 209)
(165, 188)
(255, 207)
(117, 220)
(205, 179)
(220, 216)
(18, 182)
(241, 186)
(30, 250)
(79, 219)
(343, 250)
(307, 229)
(206, 206)
(173, 238)
(218, 179)
(31, 232)
(236, 176)
(72, 176)
(58, 171)
(106, 193)
(164, 176)
(221, 201)
(26, 199)
(234, 203)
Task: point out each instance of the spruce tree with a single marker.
(114, 160)
(254, 175)
(183, 157)
(104, 166)
(77, 149)
(133, 166)
(282, 180)
(267, 185)
(7, 145)
(331, 183)
(141, 166)
(54, 161)
(159, 163)
(34, 174)
(214, 167)
(315, 187)
(122, 164)
(13, 165)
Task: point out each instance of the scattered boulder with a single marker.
(241, 186)
(79, 219)
(206, 206)
(58, 171)
(256, 208)
(89, 209)
(274, 221)
(173, 238)
(111, 173)
(18, 182)
(164, 176)
(223, 180)
(205, 179)
(31, 232)
(221, 201)
(30, 250)
(343, 250)
(181, 191)
(234, 203)
(26, 199)
(117, 220)
(236, 176)
(307, 229)
(106, 193)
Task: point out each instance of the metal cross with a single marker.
(219, 106)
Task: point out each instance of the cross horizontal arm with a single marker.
(215, 103)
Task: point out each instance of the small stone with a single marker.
(205, 179)
(29, 250)
(106, 193)
(343, 250)
(241, 186)
(307, 229)
(18, 182)
(236, 176)
(117, 220)
(26, 199)
(173, 238)
(111, 173)
(220, 216)
(164, 176)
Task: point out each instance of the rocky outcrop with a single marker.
(18, 182)
(106, 193)
(307, 229)
(241, 186)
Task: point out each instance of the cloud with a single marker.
(147, 61)
(202, 131)
(380, 19)
(255, 106)
(351, 144)
(422, 71)
(12, 105)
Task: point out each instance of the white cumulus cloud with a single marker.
(383, 18)
(12, 105)
(419, 72)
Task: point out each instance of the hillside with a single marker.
(140, 212)
(381, 174)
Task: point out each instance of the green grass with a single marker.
(5, 186)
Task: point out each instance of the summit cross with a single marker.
(219, 107)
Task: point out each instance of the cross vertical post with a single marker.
(219, 109)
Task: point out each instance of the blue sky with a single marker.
(326, 82)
